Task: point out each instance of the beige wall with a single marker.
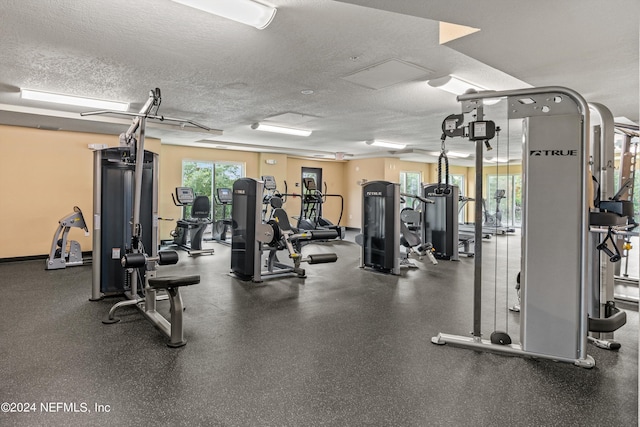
(357, 173)
(378, 169)
(332, 175)
(43, 174)
(278, 170)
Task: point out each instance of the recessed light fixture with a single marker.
(247, 12)
(79, 101)
(496, 160)
(453, 84)
(280, 129)
(386, 144)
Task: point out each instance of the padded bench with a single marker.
(172, 284)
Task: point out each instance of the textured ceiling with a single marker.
(227, 75)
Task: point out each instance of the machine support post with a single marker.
(97, 225)
(137, 182)
(477, 263)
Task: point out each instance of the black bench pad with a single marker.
(169, 282)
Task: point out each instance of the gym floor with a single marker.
(344, 347)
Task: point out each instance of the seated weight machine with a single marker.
(125, 237)
(251, 238)
(64, 252)
(410, 231)
(385, 229)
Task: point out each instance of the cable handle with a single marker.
(443, 156)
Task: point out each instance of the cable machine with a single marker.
(626, 287)
(555, 317)
(125, 223)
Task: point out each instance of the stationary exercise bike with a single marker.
(494, 219)
(222, 227)
(189, 231)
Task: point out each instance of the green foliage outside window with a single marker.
(206, 177)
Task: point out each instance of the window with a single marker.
(206, 177)
(410, 183)
(199, 176)
(224, 175)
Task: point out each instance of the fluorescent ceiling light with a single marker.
(280, 129)
(454, 85)
(247, 12)
(451, 154)
(496, 160)
(58, 98)
(386, 144)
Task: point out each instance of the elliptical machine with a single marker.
(311, 209)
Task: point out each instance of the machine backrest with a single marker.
(275, 202)
(201, 207)
(411, 238)
(282, 218)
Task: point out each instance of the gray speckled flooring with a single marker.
(343, 347)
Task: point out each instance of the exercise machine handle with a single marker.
(315, 235)
(613, 256)
(609, 324)
(167, 257)
(135, 260)
(417, 196)
(322, 258)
